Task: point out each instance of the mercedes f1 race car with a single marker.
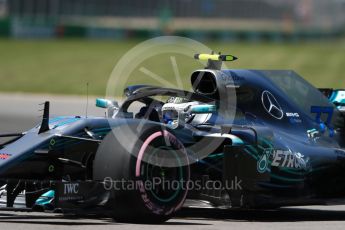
(240, 139)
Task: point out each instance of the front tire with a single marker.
(147, 172)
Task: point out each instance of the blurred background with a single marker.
(56, 46)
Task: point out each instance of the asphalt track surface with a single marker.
(20, 112)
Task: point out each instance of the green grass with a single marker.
(64, 66)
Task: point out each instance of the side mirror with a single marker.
(111, 106)
(102, 103)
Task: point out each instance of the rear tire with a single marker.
(133, 160)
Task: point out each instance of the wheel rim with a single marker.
(167, 176)
(162, 205)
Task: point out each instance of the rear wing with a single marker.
(336, 96)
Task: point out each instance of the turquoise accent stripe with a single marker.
(237, 141)
(203, 109)
(216, 155)
(333, 96)
(56, 119)
(338, 96)
(250, 147)
(66, 122)
(285, 178)
(100, 129)
(46, 198)
(252, 155)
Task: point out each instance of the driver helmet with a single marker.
(176, 105)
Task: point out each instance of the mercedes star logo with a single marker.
(271, 105)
